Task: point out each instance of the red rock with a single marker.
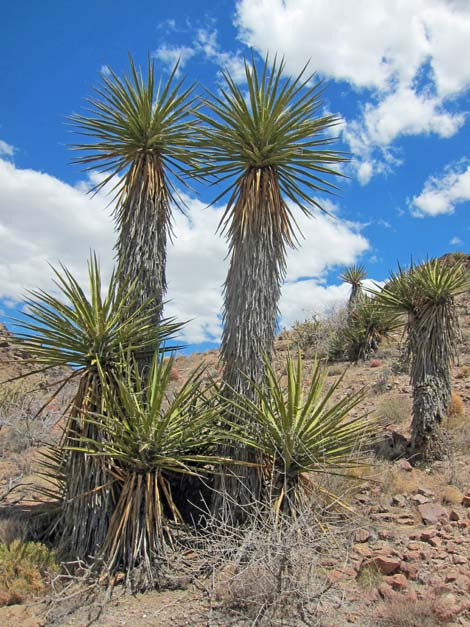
(409, 570)
(459, 559)
(425, 536)
(361, 535)
(405, 465)
(419, 498)
(375, 363)
(386, 565)
(398, 581)
(466, 500)
(454, 515)
(431, 513)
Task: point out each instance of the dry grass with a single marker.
(408, 613)
(395, 410)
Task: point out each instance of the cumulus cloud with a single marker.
(44, 220)
(441, 194)
(402, 53)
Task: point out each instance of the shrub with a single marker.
(456, 405)
(24, 570)
(404, 612)
(316, 336)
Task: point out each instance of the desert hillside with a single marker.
(397, 556)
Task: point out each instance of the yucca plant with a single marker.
(272, 152)
(82, 331)
(302, 431)
(423, 297)
(141, 139)
(367, 325)
(150, 435)
(354, 276)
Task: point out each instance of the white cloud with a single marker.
(440, 195)
(6, 150)
(44, 220)
(170, 55)
(205, 43)
(455, 241)
(410, 56)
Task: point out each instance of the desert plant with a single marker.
(366, 326)
(354, 275)
(424, 298)
(149, 437)
(272, 150)
(142, 137)
(74, 330)
(24, 570)
(303, 434)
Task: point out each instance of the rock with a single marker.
(398, 581)
(405, 465)
(375, 363)
(454, 515)
(431, 513)
(425, 536)
(466, 500)
(420, 499)
(426, 492)
(447, 607)
(361, 535)
(386, 565)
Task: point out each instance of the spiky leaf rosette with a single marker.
(303, 432)
(151, 434)
(353, 275)
(81, 330)
(423, 298)
(271, 144)
(142, 143)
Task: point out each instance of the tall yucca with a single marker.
(424, 295)
(89, 334)
(354, 275)
(141, 139)
(271, 150)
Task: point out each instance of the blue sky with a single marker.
(398, 73)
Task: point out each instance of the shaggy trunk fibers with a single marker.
(431, 353)
(251, 296)
(145, 225)
(88, 486)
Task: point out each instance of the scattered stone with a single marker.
(431, 513)
(398, 581)
(361, 535)
(405, 465)
(386, 565)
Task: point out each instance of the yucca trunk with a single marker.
(251, 296)
(89, 489)
(145, 224)
(430, 377)
(354, 298)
